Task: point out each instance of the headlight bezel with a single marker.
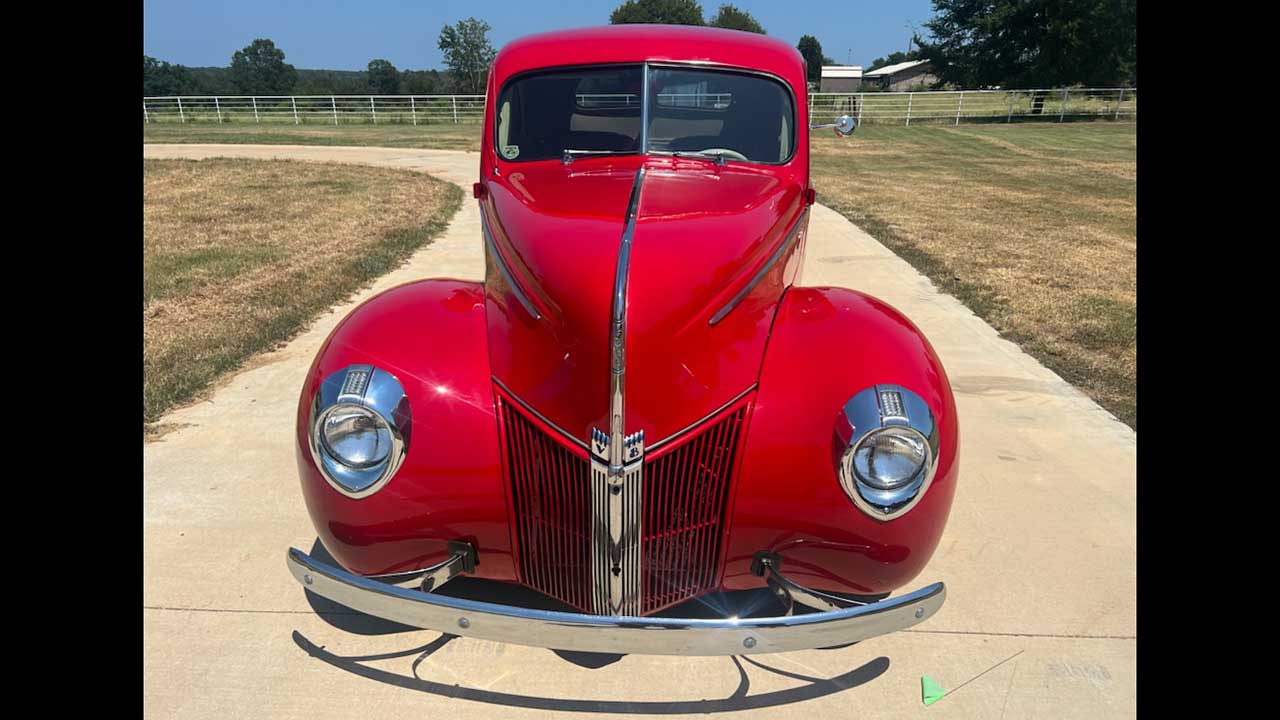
(870, 413)
(373, 390)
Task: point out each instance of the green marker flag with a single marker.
(930, 691)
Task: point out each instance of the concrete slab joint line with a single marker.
(226, 632)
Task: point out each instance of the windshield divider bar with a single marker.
(644, 110)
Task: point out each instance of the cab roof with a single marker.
(651, 43)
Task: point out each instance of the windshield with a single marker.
(722, 114)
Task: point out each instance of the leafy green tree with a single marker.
(731, 18)
(383, 78)
(668, 12)
(421, 82)
(468, 54)
(161, 78)
(260, 69)
(1033, 43)
(811, 50)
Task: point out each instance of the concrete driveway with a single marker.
(1039, 555)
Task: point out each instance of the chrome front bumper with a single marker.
(609, 634)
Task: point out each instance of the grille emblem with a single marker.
(617, 497)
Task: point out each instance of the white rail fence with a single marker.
(895, 108)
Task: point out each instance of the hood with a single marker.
(702, 233)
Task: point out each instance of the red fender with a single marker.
(431, 336)
(826, 345)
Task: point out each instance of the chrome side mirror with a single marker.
(844, 125)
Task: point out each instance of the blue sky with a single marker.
(346, 34)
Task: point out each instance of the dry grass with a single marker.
(437, 136)
(1033, 227)
(239, 255)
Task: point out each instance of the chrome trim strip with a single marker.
(697, 423)
(506, 272)
(644, 109)
(598, 633)
(528, 408)
(617, 477)
(618, 328)
(755, 280)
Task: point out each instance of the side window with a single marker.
(504, 124)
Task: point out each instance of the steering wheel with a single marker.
(731, 154)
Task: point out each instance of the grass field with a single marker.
(239, 255)
(1033, 226)
(442, 137)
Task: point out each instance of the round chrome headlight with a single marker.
(355, 436)
(888, 443)
(359, 429)
(890, 458)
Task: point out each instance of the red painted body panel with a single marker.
(559, 228)
(430, 336)
(827, 344)
(702, 233)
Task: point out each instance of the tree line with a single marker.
(259, 68)
(972, 44)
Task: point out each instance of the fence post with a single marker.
(1063, 110)
(255, 108)
(334, 103)
(180, 114)
(1118, 103)
(910, 97)
(217, 107)
(862, 99)
(372, 111)
(294, 103)
(145, 116)
(1011, 96)
(958, 106)
(413, 108)
(455, 108)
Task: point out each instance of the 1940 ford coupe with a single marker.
(639, 406)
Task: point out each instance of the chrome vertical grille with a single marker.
(686, 490)
(549, 503)
(675, 500)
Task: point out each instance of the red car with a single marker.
(638, 407)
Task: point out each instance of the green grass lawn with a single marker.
(1032, 225)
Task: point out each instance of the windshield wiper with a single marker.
(717, 158)
(570, 153)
